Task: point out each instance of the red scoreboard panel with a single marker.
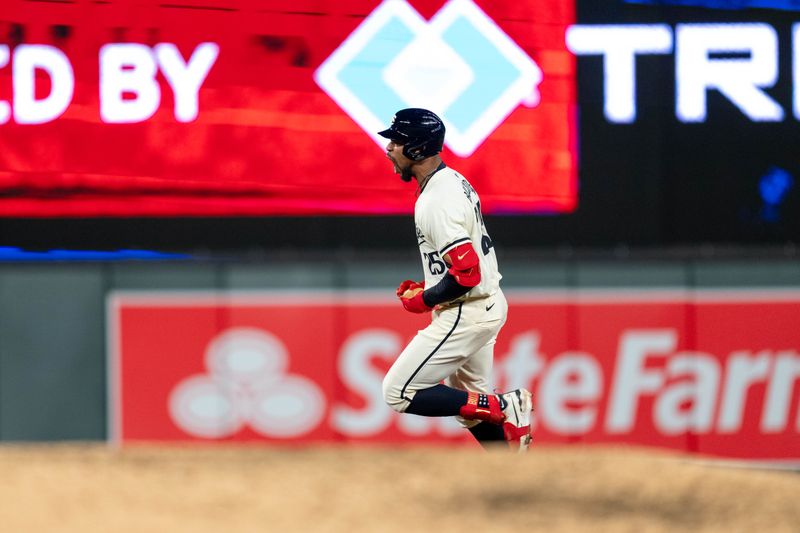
(258, 108)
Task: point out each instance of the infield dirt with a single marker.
(94, 488)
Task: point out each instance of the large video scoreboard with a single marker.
(590, 123)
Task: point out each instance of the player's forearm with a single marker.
(446, 290)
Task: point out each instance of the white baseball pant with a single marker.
(457, 348)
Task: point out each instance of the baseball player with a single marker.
(462, 292)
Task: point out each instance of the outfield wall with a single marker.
(695, 355)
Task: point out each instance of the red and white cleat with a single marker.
(517, 406)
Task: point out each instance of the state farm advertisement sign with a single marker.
(710, 372)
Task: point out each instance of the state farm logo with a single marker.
(246, 385)
(460, 65)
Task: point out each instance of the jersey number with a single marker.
(486, 244)
(435, 265)
(486, 241)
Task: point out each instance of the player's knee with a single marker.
(392, 395)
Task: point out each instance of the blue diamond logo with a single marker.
(459, 64)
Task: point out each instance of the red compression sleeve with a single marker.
(465, 265)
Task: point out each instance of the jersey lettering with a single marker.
(420, 237)
(468, 189)
(479, 215)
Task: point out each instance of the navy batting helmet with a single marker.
(420, 132)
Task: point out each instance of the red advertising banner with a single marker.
(245, 107)
(710, 372)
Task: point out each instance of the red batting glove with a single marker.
(409, 284)
(415, 304)
(403, 287)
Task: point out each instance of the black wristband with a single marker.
(446, 290)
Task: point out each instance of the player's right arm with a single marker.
(445, 223)
(464, 274)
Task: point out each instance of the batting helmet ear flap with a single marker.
(420, 132)
(415, 151)
(418, 148)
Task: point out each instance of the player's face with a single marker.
(402, 164)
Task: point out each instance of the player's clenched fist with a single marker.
(409, 285)
(410, 294)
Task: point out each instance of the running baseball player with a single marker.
(461, 290)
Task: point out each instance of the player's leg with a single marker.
(517, 408)
(490, 436)
(474, 375)
(413, 384)
(516, 427)
(517, 404)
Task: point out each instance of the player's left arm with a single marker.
(464, 274)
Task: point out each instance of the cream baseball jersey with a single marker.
(448, 214)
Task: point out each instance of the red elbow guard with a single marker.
(465, 265)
